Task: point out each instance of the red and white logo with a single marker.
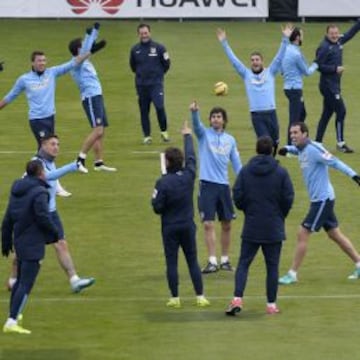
(79, 7)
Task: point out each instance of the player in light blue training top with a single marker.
(260, 86)
(39, 86)
(293, 68)
(216, 150)
(314, 162)
(87, 80)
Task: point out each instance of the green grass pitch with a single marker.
(115, 237)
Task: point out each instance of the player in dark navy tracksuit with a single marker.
(329, 59)
(28, 227)
(173, 200)
(264, 192)
(150, 61)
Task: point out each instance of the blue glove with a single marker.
(96, 26)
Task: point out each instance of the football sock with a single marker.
(10, 322)
(293, 273)
(224, 259)
(74, 278)
(357, 264)
(213, 260)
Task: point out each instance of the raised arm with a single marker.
(190, 158)
(60, 172)
(235, 62)
(275, 65)
(198, 126)
(350, 33)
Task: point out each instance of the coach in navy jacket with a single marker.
(150, 61)
(173, 200)
(264, 192)
(329, 57)
(27, 225)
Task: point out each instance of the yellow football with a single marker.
(221, 88)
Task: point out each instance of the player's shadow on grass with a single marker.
(200, 315)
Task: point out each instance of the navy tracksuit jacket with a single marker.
(264, 192)
(173, 200)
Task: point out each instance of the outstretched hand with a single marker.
(221, 34)
(287, 30)
(194, 106)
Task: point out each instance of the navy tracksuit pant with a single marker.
(148, 94)
(297, 111)
(332, 103)
(174, 237)
(271, 252)
(26, 276)
(265, 123)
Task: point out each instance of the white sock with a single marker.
(293, 273)
(357, 264)
(341, 143)
(271, 304)
(237, 298)
(82, 155)
(12, 281)
(224, 259)
(10, 322)
(74, 279)
(200, 297)
(213, 260)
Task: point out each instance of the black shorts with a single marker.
(321, 215)
(42, 127)
(57, 221)
(215, 199)
(95, 111)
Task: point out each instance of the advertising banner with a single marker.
(334, 8)
(134, 8)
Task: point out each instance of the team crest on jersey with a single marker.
(153, 51)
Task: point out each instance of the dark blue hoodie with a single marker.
(264, 192)
(27, 223)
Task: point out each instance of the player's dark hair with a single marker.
(34, 168)
(175, 158)
(74, 46)
(295, 33)
(143, 25)
(303, 127)
(264, 145)
(48, 137)
(257, 53)
(222, 111)
(36, 53)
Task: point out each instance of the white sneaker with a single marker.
(104, 168)
(60, 191)
(82, 168)
(82, 283)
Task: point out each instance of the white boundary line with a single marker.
(76, 298)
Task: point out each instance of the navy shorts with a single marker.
(215, 199)
(266, 123)
(42, 127)
(57, 221)
(321, 215)
(95, 111)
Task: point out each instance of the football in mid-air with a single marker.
(221, 88)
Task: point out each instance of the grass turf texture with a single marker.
(115, 237)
